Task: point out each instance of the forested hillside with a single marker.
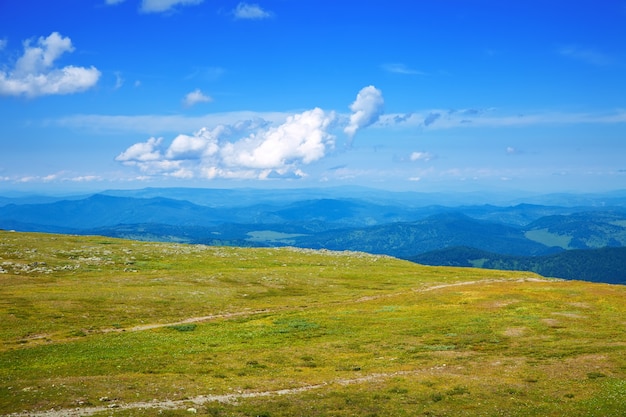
(596, 265)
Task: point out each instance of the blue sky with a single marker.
(404, 95)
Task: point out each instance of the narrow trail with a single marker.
(267, 310)
(185, 321)
(223, 398)
(454, 284)
(247, 313)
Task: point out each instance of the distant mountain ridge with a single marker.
(403, 225)
(434, 232)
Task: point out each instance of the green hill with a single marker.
(101, 326)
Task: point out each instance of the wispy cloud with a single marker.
(196, 97)
(159, 6)
(34, 73)
(474, 118)
(159, 124)
(510, 150)
(206, 73)
(587, 55)
(446, 119)
(119, 80)
(112, 2)
(62, 176)
(421, 156)
(251, 12)
(397, 68)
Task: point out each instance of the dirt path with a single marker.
(245, 313)
(454, 284)
(191, 403)
(267, 310)
(186, 321)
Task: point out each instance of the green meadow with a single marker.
(107, 327)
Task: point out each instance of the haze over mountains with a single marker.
(525, 232)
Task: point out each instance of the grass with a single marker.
(97, 322)
(549, 239)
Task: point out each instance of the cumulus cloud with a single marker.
(247, 149)
(250, 12)
(195, 97)
(159, 6)
(142, 152)
(202, 144)
(366, 109)
(302, 138)
(34, 73)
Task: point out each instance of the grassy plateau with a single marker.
(107, 327)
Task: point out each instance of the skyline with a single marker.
(398, 95)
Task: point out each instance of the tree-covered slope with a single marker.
(596, 265)
(584, 230)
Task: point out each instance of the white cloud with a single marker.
(246, 149)
(421, 156)
(158, 6)
(142, 152)
(195, 97)
(3, 44)
(250, 11)
(34, 73)
(86, 178)
(302, 138)
(366, 109)
(203, 143)
(112, 2)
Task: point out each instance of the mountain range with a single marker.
(427, 228)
